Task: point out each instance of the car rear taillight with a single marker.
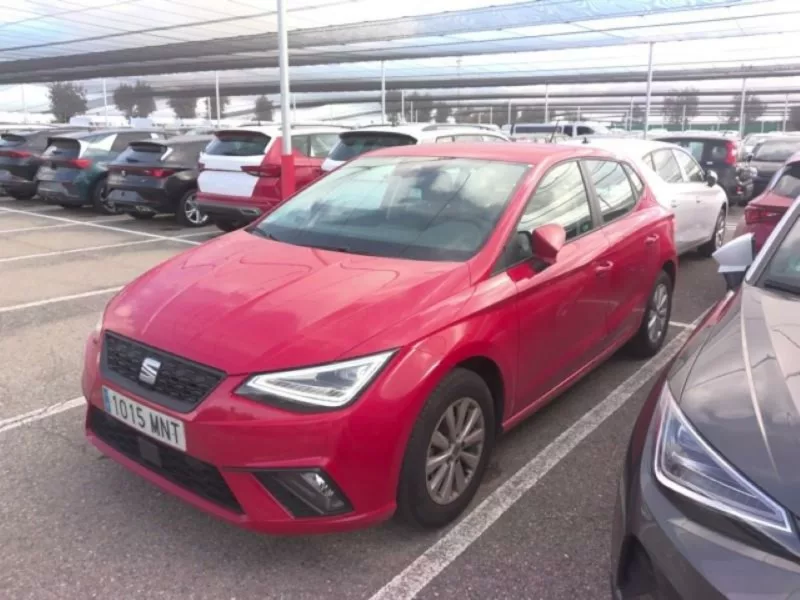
(757, 214)
(732, 153)
(15, 153)
(263, 170)
(74, 163)
(159, 173)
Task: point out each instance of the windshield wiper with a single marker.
(264, 234)
(782, 286)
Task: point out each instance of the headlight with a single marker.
(327, 386)
(686, 464)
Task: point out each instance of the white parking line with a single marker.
(681, 325)
(13, 307)
(37, 228)
(40, 413)
(408, 583)
(177, 238)
(92, 224)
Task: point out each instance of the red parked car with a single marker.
(762, 214)
(358, 351)
(240, 170)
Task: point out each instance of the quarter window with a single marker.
(694, 172)
(612, 187)
(667, 167)
(560, 198)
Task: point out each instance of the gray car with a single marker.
(709, 497)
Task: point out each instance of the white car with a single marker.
(681, 185)
(358, 141)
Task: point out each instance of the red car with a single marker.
(763, 213)
(357, 351)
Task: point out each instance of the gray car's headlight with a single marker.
(688, 465)
(326, 386)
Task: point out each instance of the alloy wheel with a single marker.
(455, 450)
(719, 233)
(657, 313)
(192, 211)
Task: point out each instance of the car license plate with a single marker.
(157, 425)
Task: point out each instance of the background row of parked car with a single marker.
(233, 176)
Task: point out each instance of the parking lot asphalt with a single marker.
(76, 525)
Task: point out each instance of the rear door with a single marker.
(682, 200)
(708, 200)
(224, 158)
(631, 257)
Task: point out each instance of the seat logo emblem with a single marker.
(149, 371)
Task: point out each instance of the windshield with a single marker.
(355, 144)
(423, 208)
(776, 151)
(238, 143)
(783, 270)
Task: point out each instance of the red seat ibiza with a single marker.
(358, 351)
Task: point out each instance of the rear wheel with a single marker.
(227, 225)
(448, 451)
(717, 237)
(100, 199)
(653, 330)
(188, 213)
(21, 195)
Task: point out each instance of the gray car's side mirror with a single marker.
(711, 178)
(735, 258)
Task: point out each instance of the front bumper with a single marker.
(658, 548)
(359, 448)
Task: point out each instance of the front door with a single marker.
(562, 311)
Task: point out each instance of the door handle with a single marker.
(674, 204)
(651, 239)
(601, 268)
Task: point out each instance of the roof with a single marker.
(419, 130)
(510, 152)
(274, 130)
(694, 135)
(634, 146)
(187, 139)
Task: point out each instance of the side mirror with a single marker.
(749, 157)
(547, 241)
(711, 178)
(735, 258)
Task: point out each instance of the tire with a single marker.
(21, 195)
(98, 199)
(227, 226)
(187, 213)
(417, 505)
(643, 344)
(141, 216)
(717, 236)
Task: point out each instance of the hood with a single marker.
(245, 304)
(743, 390)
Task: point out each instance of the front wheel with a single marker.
(717, 236)
(448, 451)
(653, 329)
(188, 213)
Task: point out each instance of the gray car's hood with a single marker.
(743, 390)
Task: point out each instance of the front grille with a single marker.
(180, 384)
(192, 474)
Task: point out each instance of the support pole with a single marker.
(578, 114)
(294, 108)
(383, 92)
(546, 103)
(785, 111)
(287, 156)
(24, 105)
(509, 116)
(216, 90)
(105, 101)
(402, 106)
(649, 90)
(741, 108)
(630, 116)
(411, 114)
(491, 114)
(683, 119)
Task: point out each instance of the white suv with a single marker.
(358, 141)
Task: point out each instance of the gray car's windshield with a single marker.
(783, 270)
(776, 151)
(421, 208)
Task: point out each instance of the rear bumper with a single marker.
(60, 193)
(233, 208)
(18, 186)
(131, 200)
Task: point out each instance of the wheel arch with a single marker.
(490, 372)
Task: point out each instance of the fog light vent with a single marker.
(305, 493)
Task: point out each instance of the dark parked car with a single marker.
(152, 177)
(20, 158)
(710, 495)
(721, 155)
(74, 168)
(769, 156)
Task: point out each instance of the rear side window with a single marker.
(357, 143)
(694, 172)
(492, 138)
(238, 143)
(469, 138)
(788, 183)
(185, 154)
(98, 145)
(717, 152)
(142, 153)
(695, 147)
(612, 187)
(666, 166)
(559, 198)
(445, 139)
(63, 149)
(583, 130)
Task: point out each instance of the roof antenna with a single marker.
(555, 128)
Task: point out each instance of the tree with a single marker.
(211, 106)
(135, 100)
(263, 109)
(753, 108)
(423, 114)
(184, 108)
(66, 100)
(681, 108)
(442, 112)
